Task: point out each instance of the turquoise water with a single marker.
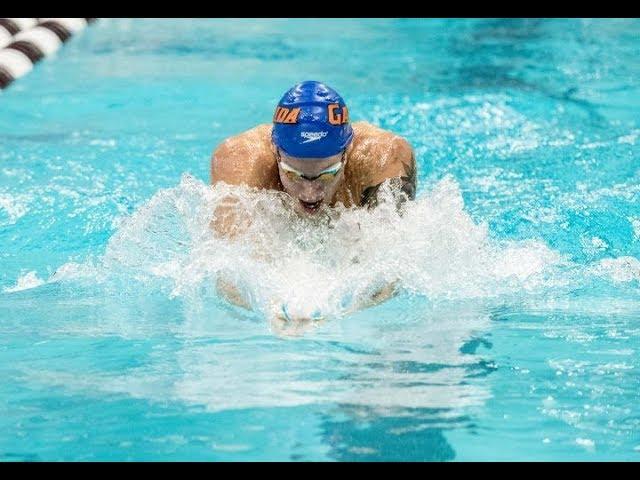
(516, 334)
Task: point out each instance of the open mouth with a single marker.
(311, 206)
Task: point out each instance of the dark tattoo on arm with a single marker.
(404, 188)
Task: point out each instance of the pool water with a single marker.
(516, 332)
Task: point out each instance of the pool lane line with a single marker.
(33, 44)
(9, 27)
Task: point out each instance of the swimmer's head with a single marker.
(311, 121)
(311, 132)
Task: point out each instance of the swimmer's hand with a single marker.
(283, 321)
(379, 295)
(287, 323)
(287, 320)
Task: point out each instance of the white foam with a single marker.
(586, 443)
(635, 223)
(630, 138)
(103, 143)
(324, 265)
(25, 282)
(14, 206)
(328, 265)
(621, 269)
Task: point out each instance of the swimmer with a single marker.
(313, 153)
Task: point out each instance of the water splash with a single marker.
(25, 282)
(323, 265)
(330, 264)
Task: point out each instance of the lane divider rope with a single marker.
(9, 27)
(31, 44)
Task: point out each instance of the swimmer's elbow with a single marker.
(231, 293)
(229, 218)
(407, 179)
(403, 190)
(220, 228)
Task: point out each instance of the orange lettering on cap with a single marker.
(281, 116)
(292, 117)
(286, 115)
(334, 118)
(338, 118)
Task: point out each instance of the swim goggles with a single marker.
(327, 175)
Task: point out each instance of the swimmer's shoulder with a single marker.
(377, 155)
(246, 158)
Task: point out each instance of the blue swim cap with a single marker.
(311, 121)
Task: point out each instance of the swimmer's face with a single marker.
(313, 182)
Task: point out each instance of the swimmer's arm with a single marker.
(245, 159)
(400, 171)
(231, 293)
(237, 161)
(228, 220)
(401, 174)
